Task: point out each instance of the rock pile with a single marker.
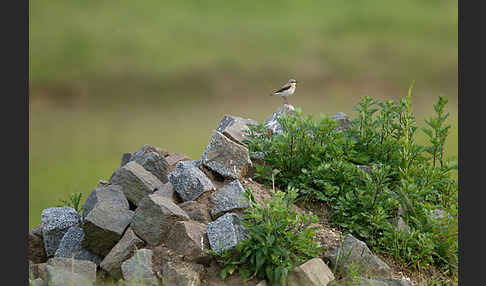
(154, 219)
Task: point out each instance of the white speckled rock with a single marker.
(71, 244)
(229, 197)
(271, 122)
(225, 232)
(189, 182)
(55, 223)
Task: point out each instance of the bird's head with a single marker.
(292, 80)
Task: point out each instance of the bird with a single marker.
(286, 90)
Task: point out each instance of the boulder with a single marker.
(136, 182)
(357, 252)
(63, 277)
(109, 194)
(189, 182)
(189, 238)
(37, 252)
(225, 157)
(125, 159)
(174, 158)
(55, 222)
(123, 250)
(154, 217)
(60, 271)
(234, 128)
(167, 190)
(385, 282)
(37, 282)
(38, 270)
(139, 268)
(181, 274)
(104, 226)
(71, 244)
(230, 197)
(197, 211)
(225, 232)
(342, 121)
(312, 273)
(152, 161)
(147, 149)
(271, 123)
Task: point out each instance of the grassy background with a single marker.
(106, 78)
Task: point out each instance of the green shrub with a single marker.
(278, 239)
(323, 162)
(74, 202)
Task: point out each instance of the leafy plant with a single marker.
(369, 174)
(74, 202)
(277, 240)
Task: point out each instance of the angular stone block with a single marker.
(55, 223)
(225, 232)
(225, 157)
(136, 182)
(154, 217)
(189, 182)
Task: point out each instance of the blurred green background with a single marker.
(107, 77)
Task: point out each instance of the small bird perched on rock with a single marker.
(286, 90)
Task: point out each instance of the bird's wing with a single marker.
(284, 88)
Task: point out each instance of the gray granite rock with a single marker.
(357, 252)
(71, 244)
(271, 123)
(189, 238)
(189, 182)
(197, 211)
(136, 182)
(342, 120)
(104, 226)
(230, 197)
(109, 194)
(38, 270)
(139, 268)
(234, 127)
(152, 161)
(37, 282)
(60, 271)
(55, 223)
(311, 273)
(123, 250)
(125, 159)
(63, 277)
(167, 190)
(385, 282)
(225, 157)
(181, 274)
(154, 217)
(225, 232)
